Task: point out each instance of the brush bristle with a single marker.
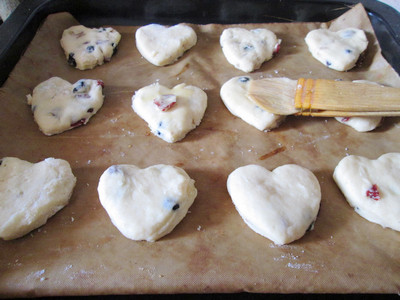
(275, 95)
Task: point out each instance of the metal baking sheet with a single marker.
(212, 250)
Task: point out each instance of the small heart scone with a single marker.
(280, 205)
(338, 50)
(86, 48)
(162, 45)
(170, 113)
(30, 193)
(234, 95)
(58, 106)
(372, 187)
(361, 124)
(246, 49)
(146, 204)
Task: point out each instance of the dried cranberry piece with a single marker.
(345, 119)
(78, 123)
(99, 82)
(373, 193)
(165, 102)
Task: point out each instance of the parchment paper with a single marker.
(80, 252)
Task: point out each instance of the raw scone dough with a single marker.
(32, 193)
(246, 49)
(361, 124)
(146, 204)
(372, 187)
(337, 50)
(234, 95)
(170, 113)
(280, 205)
(58, 106)
(162, 45)
(86, 48)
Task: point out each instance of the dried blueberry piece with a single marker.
(244, 79)
(328, 63)
(158, 133)
(348, 51)
(90, 110)
(71, 59)
(80, 85)
(90, 49)
(114, 169)
(170, 204)
(115, 50)
(311, 227)
(248, 47)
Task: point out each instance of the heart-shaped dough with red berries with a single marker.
(280, 205)
(372, 187)
(338, 50)
(162, 45)
(246, 49)
(170, 113)
(58, 106)
(146, 204)
(30, 193)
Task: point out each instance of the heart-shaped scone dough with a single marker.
(86, 48)
(246, 49)
(146, 204)
(361, 124)
(162, 45)
(170, 113)
(32, 193)
(58, 105)
(280, 205)
(234, 95)
(337, 50)
(372, 187)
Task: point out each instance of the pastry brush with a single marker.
(324, 98)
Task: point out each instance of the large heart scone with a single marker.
(337, 50)
(280, 205)
(32, 193)
(161, 45)
(234, 95)
(246, 49)
(86, 48)
(170, 113)
(372, 187)
(58, 106)
(146, 204)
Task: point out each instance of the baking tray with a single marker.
(21, 26)
(19, 29)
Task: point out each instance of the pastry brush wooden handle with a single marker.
(331, 95)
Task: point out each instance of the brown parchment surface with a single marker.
(80, 252)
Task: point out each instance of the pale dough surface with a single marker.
(372, 187)
(32, 193)
(86, 48)
(173, 124)
(361, 124)
(146, 204)
(280, 205)
(162, 45)
(246, 49)
(234, 95)
(338, 50)
(58, 106)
